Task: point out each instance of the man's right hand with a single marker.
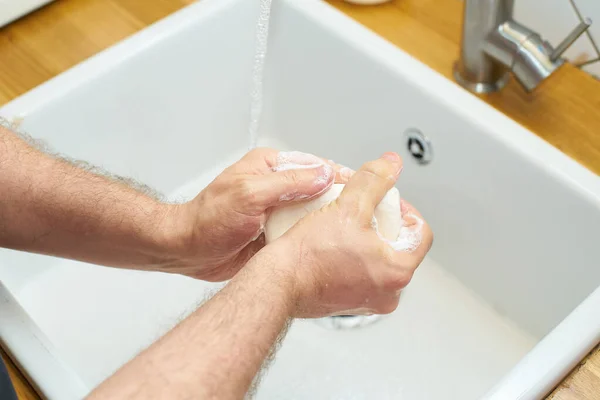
(331, 262)
(334, 260)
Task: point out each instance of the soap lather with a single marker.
(387, 217)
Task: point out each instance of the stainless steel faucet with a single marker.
(493, 45)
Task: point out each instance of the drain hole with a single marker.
(347, 321)
(419, 146)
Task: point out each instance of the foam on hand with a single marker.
(387, 219)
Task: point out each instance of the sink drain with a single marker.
(419, 146)
(348, 321)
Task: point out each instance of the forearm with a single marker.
(49, 206)
(217, 351)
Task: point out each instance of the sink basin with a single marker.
(503, 307)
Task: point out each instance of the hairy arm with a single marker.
(50, 206)
(216, 351)
(345, 269)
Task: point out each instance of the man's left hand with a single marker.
(216, 233)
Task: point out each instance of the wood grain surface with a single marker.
(583, 382)
(565, 111)
(22, 387)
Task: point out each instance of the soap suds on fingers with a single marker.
(294, 196)
(296, 160)
(287, 167)
(410, 237)
(325, 178)
(287, 160)
(346, 173)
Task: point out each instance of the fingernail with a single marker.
(324, 178)
(395, 159)
(399, 171)
(403, 207)
(390, 156)
(346, 172)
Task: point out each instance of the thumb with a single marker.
(301, 183)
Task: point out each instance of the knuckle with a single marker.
(246, 191)
(257, 154)
(390, 256)
(379, 169)
(397, 280)
(349, 209)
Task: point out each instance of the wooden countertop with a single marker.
(565, 111)
(22, 387)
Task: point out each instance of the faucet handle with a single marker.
(570, 39)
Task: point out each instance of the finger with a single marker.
(285, 160)
(293, 159)
(412, 220)
(263, 160)
(257, 161)
(343, 174)
(407, 208)
(369, 184)
(413, 243)
(418, 253)
(284, 186)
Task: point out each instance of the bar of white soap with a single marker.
(387, 214)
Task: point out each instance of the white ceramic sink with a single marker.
(504, 306)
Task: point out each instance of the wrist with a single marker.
(171, 237)
(271, 271)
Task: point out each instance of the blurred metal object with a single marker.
(419, 146)
(493, 45)
(571, 38)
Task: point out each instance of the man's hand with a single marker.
(331, 262)
(335, 259)
(51, 206)
(221, 229)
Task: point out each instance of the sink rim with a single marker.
(507, 131)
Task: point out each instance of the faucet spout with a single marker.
(494, 45)
(523, 52)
